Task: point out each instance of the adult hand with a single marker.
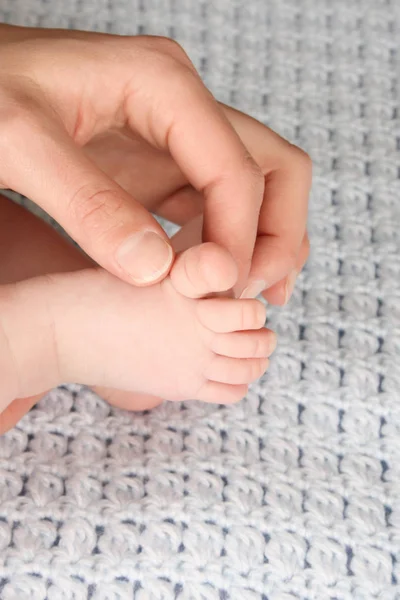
(153, 177)
(61, 89)
(282, 244)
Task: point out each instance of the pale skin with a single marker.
(116, 156)
(100, 130)
(81, 113)
(207, 349)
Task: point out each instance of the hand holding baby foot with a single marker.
(200, 271)
(207, 349)
(281, 242)
(117, 336)
(270, 182)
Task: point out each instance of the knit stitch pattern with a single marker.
(294, 492)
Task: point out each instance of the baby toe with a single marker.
(224, 315)
(245, 344)
(236, 371)
(203, 270)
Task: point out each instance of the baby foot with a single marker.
(156, 340)
(198, 272)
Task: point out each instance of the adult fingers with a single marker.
(147, 173)
(171, 108)
(283, 214)
(270, 254)
(283, 217)
(281, 292)
(40, 160)
(157, 93)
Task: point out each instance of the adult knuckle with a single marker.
(303, 161)
(17, 126)
(253, 171)
(174, 50)
(183, 79)
(94, 208)
(167, 52)
(181, 74)
(169, 46)
(17, 123)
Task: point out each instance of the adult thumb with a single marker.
(42, 162)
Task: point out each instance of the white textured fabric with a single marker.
(293, 493)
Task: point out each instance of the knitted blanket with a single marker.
(294, 492)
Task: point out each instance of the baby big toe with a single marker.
(236, 371)
(202, 270)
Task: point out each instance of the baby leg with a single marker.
(32, 248)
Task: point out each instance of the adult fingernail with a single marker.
(254, 289)
(290, 283)
(144, 256)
